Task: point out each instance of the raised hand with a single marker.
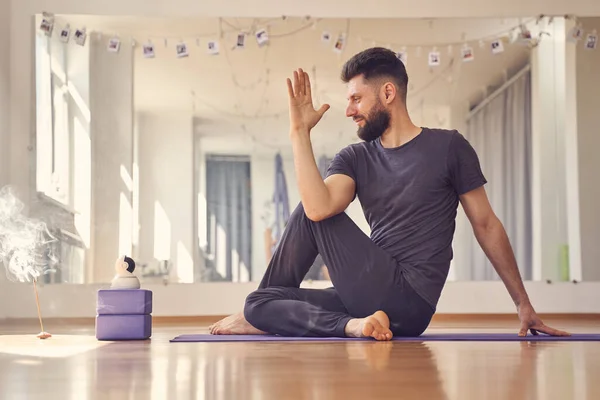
(530, 321)
(303, 116)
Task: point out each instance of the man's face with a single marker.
(366, 109)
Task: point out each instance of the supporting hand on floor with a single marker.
(531, 321)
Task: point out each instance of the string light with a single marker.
(50, 21)
(225, 27)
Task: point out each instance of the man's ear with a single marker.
(389, 92)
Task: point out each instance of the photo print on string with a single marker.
(497, 46)
(591, 41)
(80, 36)
(467, 54)
(339, 43)
(213, 48)
(47, 25)
(114, 45)
(524, 35)
(182, 50)
(262, 37)
(148, 50)
(576, 33)
(241, 41)
(65, 34)
(434, 58)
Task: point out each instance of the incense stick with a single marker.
(42, 335)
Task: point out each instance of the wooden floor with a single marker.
(73, 365)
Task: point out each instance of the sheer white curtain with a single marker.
(500, 132)
(229, 228)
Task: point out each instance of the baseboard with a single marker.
(86, 321)
(443, 317)
(208, 319)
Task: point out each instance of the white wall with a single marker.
(351, 8)
(165, 161)
(3, 297)
(70, 300)
(22, 27)
(111, 103)
(588, 123)
(4, 89)
(4, 114)
(76, 301)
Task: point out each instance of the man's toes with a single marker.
(382, 335)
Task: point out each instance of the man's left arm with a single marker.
(492, 238)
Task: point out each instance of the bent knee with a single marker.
(250, 305)
(254, 301)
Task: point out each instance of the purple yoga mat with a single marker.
(469, 337)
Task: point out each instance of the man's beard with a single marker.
(375, 125)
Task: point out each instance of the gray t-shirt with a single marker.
(409, 195)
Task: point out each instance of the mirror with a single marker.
(167, 139)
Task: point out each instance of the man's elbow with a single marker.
(316, 215)
(324, 209)
(320, 212)
(490, 222)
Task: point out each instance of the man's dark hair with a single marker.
(376, 63)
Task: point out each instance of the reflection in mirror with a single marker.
(167, 139)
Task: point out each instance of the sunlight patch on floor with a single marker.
(59, 346)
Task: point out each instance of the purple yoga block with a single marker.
(124, 301)
(123, 327)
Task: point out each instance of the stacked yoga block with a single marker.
(124, 312)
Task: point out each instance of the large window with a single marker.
(52, 134)
(63, 154)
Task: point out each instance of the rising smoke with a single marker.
(25, 243)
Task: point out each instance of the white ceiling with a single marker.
(250, 83)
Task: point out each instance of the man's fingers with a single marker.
(301, 79)
(296, 83)
(523, 331)
(307, 88)
(323, 109)
(552, 332)
(290, 88)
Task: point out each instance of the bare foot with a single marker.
(376, 326)
(235, 324)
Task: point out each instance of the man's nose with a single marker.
(350, 111)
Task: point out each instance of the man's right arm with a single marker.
(320, 199)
